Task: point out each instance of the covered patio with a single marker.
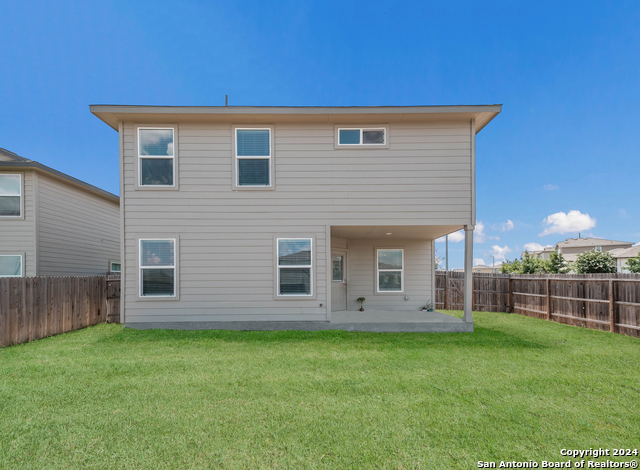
(391, 269)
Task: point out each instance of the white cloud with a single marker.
(478, 234)
(505, 227)
(530, 247)
(574, 221)
(454, 237)
(623, 213)
(551, 187)
(478, 261)
(500, 252)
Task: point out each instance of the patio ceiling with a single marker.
(422, 232)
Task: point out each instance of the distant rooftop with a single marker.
(580, 242)
(14, 161)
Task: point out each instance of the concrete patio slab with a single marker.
(372, 321)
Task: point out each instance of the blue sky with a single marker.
(567, 74)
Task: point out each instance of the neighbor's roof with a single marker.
(115, 114)
(14, 161)
(626, 252)
(578, 242)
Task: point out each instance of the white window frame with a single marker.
(19, 216)
(384, 129)
(156, 157)
(237, 157)
(378, 271)
(111, 263)
(598, 248)
(278, 268)
(21, 266)
(174, 267)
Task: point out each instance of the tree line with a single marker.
(589, 262)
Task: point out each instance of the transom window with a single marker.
(156, 156)
(10, 265)
(390, 270)
(158, 267)
(10, 195)
(362, 136)
(253, 157)
(295, 266)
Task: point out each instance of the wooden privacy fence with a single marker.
(599, 301)
(36, 307)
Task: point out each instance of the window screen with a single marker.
(390, 270)
(294, 266)
(253, 155)
(156, 154)
(157, 267)
(10, 195)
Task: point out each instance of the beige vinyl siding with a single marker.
(17, 235)
(226, 237)
(361, 280)
(78, 231)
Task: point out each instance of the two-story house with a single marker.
(283, 217)
(572, 247)
(52, 224)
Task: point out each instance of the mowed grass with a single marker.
(516, 389)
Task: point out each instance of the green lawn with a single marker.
(518, 388)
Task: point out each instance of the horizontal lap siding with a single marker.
(226, 259)
(78, 232)
(17, 236)
(361, 282)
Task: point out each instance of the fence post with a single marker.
(510, 294)
(612, 319)
(548, 298)
(446, 290)
(473, 292)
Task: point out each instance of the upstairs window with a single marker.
(158, 268)
(295, 266)
(156, 156)
(253, 157)
(10, 195)
(390, 270)
(10, 265)
(362, 136)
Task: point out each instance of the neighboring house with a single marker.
(545, 253)
(287, 214)
(52, 224)
(481, 268)
(572, 247)
(622, 255)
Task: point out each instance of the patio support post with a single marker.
(468, 272)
